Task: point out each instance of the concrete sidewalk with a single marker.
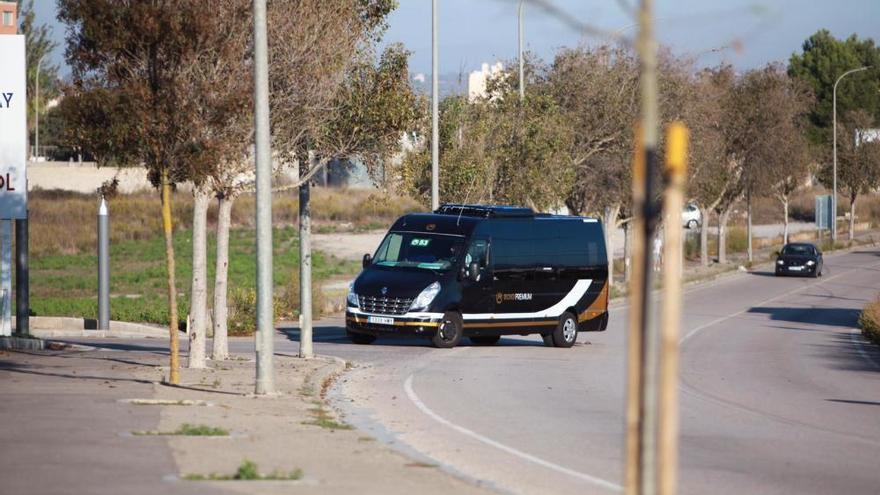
(69, 419)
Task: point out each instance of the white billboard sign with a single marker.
(13, 128)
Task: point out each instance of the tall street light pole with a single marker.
(522, 79)
(263, 148)
(37, 109)
(435, 114)
(834, 130)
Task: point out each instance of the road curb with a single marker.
(22, 343)
(66, 327)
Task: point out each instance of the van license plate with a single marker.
(380, 320)
(795, 268)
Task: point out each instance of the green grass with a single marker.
(188, 430)
(323, 419)
(248, 471)
(66, 285)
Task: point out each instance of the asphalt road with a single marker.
(779, 394)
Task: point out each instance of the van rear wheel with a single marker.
(565, 334)
(449, 332)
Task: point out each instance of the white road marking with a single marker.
(410, 393)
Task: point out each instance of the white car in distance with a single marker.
(691, 217)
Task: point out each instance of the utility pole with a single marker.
(522, 79)
(435, 113)
(265, 317)
(37, 109)
(643, 345)
(834, 130)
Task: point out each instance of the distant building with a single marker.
(477, 80)
(8, 18)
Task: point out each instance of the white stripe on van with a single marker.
(570, 299)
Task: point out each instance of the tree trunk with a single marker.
(722, 234)
(627, 245)
(852, 217)
(749, 225)
(305, 260)
(220, 349)
(198, 309)
(174, 373)
(704, 237)
(784, 220)
(609, 221)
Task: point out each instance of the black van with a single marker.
(481, 272)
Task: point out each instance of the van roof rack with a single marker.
(484, 211)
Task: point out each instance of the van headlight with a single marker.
(811, 263)
(352, 297)
(780, 262)
(421, 302)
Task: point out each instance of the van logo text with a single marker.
(519, 296)
(5, 100)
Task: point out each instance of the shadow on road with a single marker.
(335, 334)
(838, 317)
(850, 352)
(862, 402)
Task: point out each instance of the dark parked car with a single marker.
(799, 258)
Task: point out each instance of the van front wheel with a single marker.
(449, 332)
(565, 334)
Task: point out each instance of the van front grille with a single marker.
(385, 305)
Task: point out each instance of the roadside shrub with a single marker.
(737, 240)
(869, 321)
(243, 305)
(692, 245)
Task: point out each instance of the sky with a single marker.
(475, 31)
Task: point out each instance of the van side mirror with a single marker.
(367, 261)
(474, 271)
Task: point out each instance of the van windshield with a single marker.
(419, 250)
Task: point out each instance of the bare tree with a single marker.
(216, 76)
(858, 164)
(712, 172)
(127, 58)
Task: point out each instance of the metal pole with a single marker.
(103, 267)
(435, 113)
(37, 108)
(305, 264)
(6, 276)
(834, 130)
(522, 79)
(265, 318)
(22, 278)
(749, 221)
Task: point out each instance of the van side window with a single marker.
(478, 252)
